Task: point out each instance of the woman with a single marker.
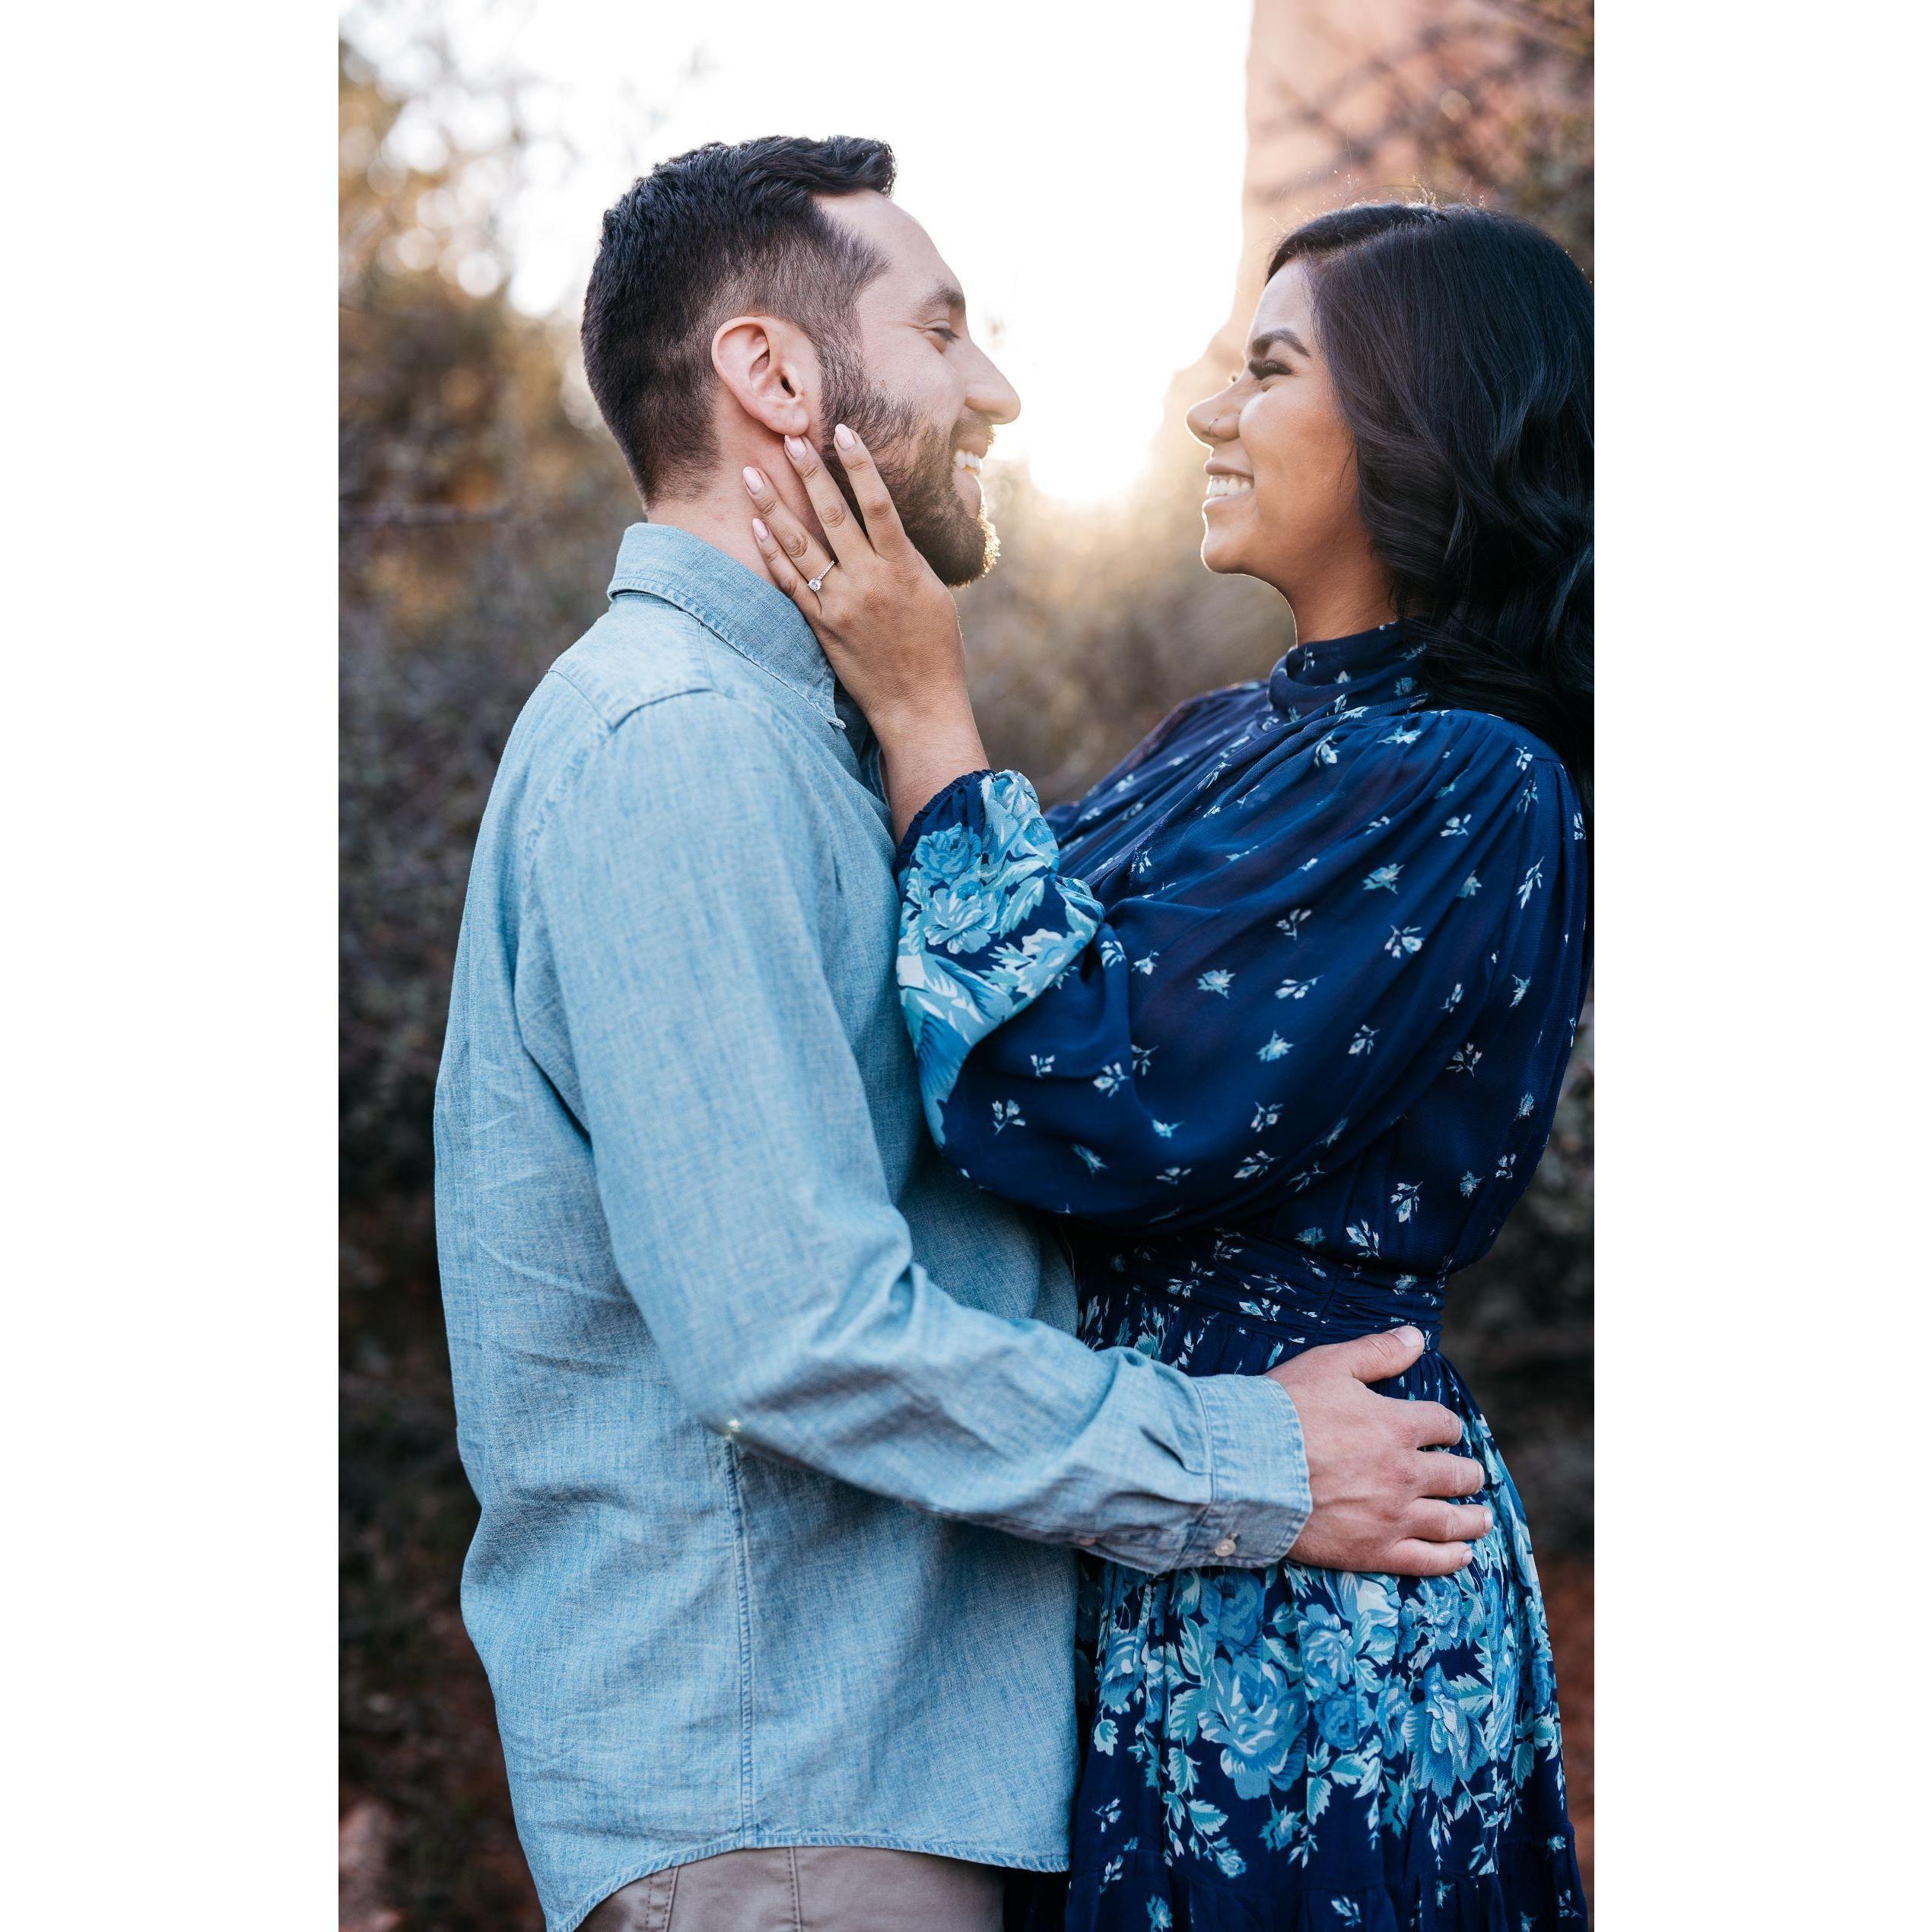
(1278, 1014)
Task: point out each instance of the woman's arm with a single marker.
(1319, 959)
(1311, 971)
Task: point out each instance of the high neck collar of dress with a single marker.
(1335, 674)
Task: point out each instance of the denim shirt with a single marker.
(781, 1442)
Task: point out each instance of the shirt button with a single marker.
(733, 1426)
(1084, 1543)
(1226, 1547)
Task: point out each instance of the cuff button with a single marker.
(1226, 1547)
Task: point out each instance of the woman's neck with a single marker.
(1339, 608)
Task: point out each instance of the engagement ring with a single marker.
(815, 583)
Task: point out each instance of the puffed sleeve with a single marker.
(1306, 957)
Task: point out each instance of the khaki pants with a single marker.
(809, 1888)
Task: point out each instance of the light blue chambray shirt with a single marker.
(780, 1438)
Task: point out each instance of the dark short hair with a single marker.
(703, 236)
(1459, 341)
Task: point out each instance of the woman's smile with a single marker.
(1225, 483)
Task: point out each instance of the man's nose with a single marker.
(1213, 419)
(989, 392)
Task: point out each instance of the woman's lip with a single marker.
(1212, 495)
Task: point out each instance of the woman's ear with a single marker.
(769, 369)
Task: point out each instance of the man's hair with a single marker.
(721, 231)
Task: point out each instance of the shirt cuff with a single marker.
(916, 825)
(1259, 1474)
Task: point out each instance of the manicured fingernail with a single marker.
(759, 531)
(795, 449)
(754, 480)
(844, 438)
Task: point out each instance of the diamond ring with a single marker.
(815, 583)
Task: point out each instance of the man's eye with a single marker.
(944, 334)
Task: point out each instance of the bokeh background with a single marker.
(1109, 208)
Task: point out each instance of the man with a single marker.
(782, 1447)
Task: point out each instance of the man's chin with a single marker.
(960, 555)
(989, 554)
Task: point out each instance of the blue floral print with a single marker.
(1277, 1015)
(982, 879)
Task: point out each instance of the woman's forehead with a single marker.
(1287, 302)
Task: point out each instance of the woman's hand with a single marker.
(888, 626)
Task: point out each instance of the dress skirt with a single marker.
(1307, 1750)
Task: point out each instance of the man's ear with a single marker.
(769, 369)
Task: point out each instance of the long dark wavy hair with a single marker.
(1460, 342)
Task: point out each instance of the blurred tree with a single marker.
(477, 514)
(1099, 621)
(1484, 101)
(476, 523)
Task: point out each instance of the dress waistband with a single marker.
(1303, 1297)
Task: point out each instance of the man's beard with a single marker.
(915, 458)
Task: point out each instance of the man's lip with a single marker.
(975, 449)
(1223, 469)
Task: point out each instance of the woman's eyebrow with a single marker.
(1262, 345)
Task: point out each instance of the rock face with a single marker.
(1363, 99)
(1303, 55)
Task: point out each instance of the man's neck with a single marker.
(720, 513)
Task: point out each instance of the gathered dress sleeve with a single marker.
(1295, 971)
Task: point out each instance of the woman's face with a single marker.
(1281, 496)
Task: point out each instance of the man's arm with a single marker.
(677, 885)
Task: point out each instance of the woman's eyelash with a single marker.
(1258, 370)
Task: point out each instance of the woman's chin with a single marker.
(1220, 553)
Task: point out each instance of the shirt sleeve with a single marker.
(1301, 959)
(687, 907)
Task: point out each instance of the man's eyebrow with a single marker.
(1262, 345)
(944, 295)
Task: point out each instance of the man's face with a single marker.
(920, 392)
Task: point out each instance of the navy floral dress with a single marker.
(1278, 1015)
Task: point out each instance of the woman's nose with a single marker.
(1213, 419)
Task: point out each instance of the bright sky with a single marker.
(1079, 166)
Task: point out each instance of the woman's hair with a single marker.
(1459, 344)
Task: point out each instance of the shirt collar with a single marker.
(754, 618)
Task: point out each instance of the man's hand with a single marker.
(1376, 1483)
